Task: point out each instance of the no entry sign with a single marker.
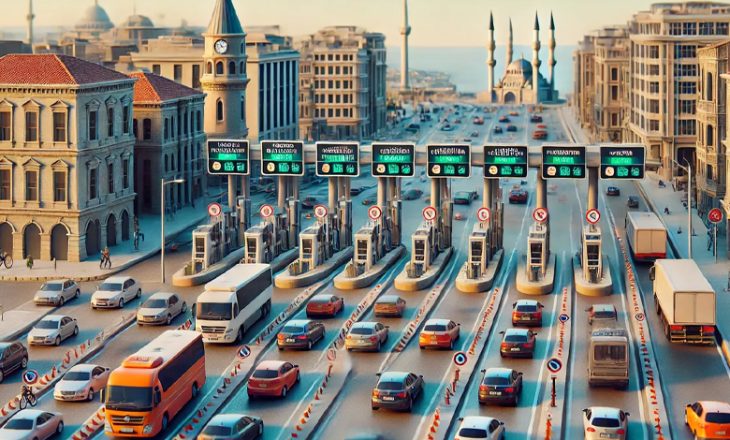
(320, 211)
(244, 351)
(483, 214)
(214, 209)
(715, 215)
(429, 213)
(554, 365)
(460, 359)
(540, 215)
(593, 216)
(374, 212)
(266, 211)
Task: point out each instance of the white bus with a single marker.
(233, 302)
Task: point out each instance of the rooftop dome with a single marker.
(95, 18)
(138, 21)
(521, 66)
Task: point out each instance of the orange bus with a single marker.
(152, 385)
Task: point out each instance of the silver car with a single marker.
(81, 382)
(480, 427)
(115, 291)
(52, 330)
(366, 336)
(602, 422)
(233, 427)
(161, 308)
(32, 424)
(56, 293)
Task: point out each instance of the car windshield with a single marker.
(265, 374)
(472, 433)
(19, 424)
(435, 328)
(111, 286)
(526, 308)
(47, 324)
(515, 338)
(361, 331)
(461, 194)
(52, 287)
(214, 311)
(604, 314)
(608, 353)
(497, 380)
(124, 398)
(293, 329)
(320, 300)
(155, 304)
(217, 430)
(717, 417)
(77, 375)
(390, 386)
(605, 422)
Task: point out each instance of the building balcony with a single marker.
(709, 107)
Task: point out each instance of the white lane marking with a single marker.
(297, 411)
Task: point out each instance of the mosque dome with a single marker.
(521, 66)
(95, 18)
(138, 21)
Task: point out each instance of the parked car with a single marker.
(500, 385)
(613, 191)
(512, 128)
(325, 304)
(480, 427)
(13, 357)
(396, 390)
(32, 424)
(602, 314)
(474, 134)
(369, 336)
(517, 342)
(542, 126)
(233, 427)
(115, 291)
(527, 312)
(498, 129)
(413, 128)
(390, 305)
(439, 333)
(52, 330)
(601, 422)
(632, 202)
(161, 308)
(518, 196)
(81, 382)
(300, 333)
(273, 378)
(708, 419)
(56, 293)
(412, 194)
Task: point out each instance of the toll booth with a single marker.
(208, 245)
(243, 214)
(367, 251)
(591, 252)
(345, 219)
(537, 251)
(260, 242)
(293, 218)
(425, 249)
(479, 251)
(314, 248)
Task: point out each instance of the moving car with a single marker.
(439, 333)
(412, 194)
(517, 342)
(233, 427)
(309, 202)
(55, 293)
(273, 378)
(613, 191)
(514, 113)
(518, 196)
(535, 118)
(539, 134)
(396, 390)
(115, 291)
(368, 202)
(369, 336)
(527, 312)
(602, 315)
(300, 333)
(325, 304)
(480, 427)
(512, 128)
(708, 419)
(413, 128)
(601, 422)
(13, 356)
(632, 202)
(474, 134)
(447, 127)
(161, 308)
(503, 119)
(81, 382)
(459, 216)
(497, 129)
(32, 424)
(465, 197)
(356, 190)
(52, 330)
(542, 126)
(390, 305)
(500, 385)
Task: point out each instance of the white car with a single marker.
(52, 330)
(32, 424)
(55, 293)
(161, 308)
(601, 422)
(480, 427)
(115, 291)
(81, 382)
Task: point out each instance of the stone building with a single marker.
(66, 150)
(611, 62)
(584, 93)
(170, 141)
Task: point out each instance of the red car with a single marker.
(273, 378)
(439, 333)
(527, 312)
(325, 305)
(518, 196)
(539, 134)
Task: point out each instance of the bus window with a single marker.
(609, 353)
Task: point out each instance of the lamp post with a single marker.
(164, 183)
(688, 169)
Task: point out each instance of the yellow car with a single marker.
(708, 419)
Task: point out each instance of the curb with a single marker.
(14, 335)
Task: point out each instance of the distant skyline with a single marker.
(435, 23)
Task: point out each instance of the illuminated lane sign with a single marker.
(338, 159)
(228, 157)
(448, 160)
(625, 162)
(393, 160)
(282, 158)
(505, 161)
(563, 162)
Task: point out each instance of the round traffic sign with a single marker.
(214, 209)
(429, 213)
(374, 212)
(639, 316)
(266, 211)
(593, 216)
(30, 377)
(554, 365)
(715, 215)
(483, 214)
(331, 355)
(459, 358)
(320, 211)
(244, 351)
(540, 215)
(564, 317)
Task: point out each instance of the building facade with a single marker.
(168, 128)
(611, 62)
(66, 157)
(584, 83)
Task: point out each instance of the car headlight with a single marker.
(229, 331)
(147, 429)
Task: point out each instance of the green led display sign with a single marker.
(282, 158)
(448, 160)
(622, 162)
(393, 160)
(505, 161)
(563, 162)
(338, 159)
(228, 157)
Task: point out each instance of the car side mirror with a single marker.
(296, 366)
(378, 374)
(585, 410)
(461, 419)
(502, 332)
(483, 370)
(627, 414)
(652, 273)
(688, 405)
(102, 395)
(193, 308)
(514, 304)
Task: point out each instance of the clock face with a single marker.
(221, 46)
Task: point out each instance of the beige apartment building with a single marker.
(611, 57)
(584, 83)
(66, 150)
(341, 83)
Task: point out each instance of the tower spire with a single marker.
(490, 56)
(30, 18)
(509, 45)
(405, 31)
(551, 57)
(536, 60)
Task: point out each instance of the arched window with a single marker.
(708, 88)
(232, 68)
(219, 110)
(242, 68)
(219, 68)
(209, 68)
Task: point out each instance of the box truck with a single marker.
(646, 235)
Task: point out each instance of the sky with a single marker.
(434, 23)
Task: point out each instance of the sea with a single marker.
(467, 66)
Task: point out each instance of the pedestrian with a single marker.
(29, 262)
(679, 230)
(106, 260)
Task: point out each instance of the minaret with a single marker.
(536, 60)
(551, 58)
(30, 18)
(405, 31)
(490, 56)
(509, 45)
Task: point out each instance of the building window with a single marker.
(243, 107)
(134, 127)
(686, 127)
(59, 127)
(4, 184)
(166, 132)
(242, 68)
(110, 178)
(59, 186)
(219, 110)
(614, 93)
(688, 106)
(614, 119)
(93, 129)
(685, 70)
(689, 28)
(219, 68)
(196, 76)
(147, 129)
(177, 72)
(653, 125)
(685, 51)
(721, 28)
(125, 173)
(31, 126)
(708, 86)
(232, 68)
(653, 52)
(125, 119)
(200, 120)
(614, 74)
(31, 186)
(110, 122)
(675, 28)
(707, 28)
(92, 184)
(209, 67)
(156, 69)
(5, 126)
(685, 87)
(710, 138)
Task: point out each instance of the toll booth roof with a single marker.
(366, 230)
(478, 234)
(311, 230)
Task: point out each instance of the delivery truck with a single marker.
(646, 235)
(684, 300)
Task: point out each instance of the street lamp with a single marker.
(688, 169)
(164, 183)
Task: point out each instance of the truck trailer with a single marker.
(646, 235)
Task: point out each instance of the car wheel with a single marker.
(195, 390)
(77, 294)
(23, 364)
(184, 308)
(283, 391)
(90, 395)
(239, 335)
(164, 422)
(298, 377)
(76, 331)
(57, 342)
(2, 375)
(61, 300)
(139, 293)
(309, 344)
(169, 319)
(59, 428)
(374, 408)
(410, 405)
(451, 344)
(261, 429)
(279, 347)
(121, 303)
(377, 347)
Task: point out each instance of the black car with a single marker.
(13, 356)
(536, 118)
(396, 390)
(500, 385)
(412, 194)
(309, 202)
(356, 190)
(517, 342)
(633, 202)
(300, 333)
(511, 128)
(613, 191)
(497, 129)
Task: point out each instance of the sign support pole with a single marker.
(592, 188)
